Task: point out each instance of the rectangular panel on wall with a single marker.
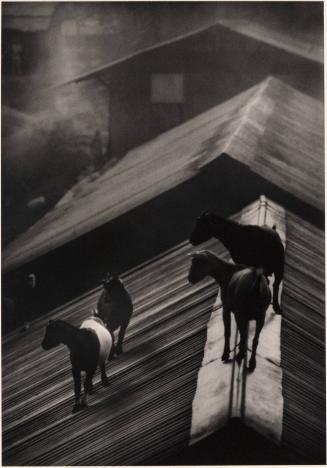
(167, 88)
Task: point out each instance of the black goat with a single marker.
(244, 291)
(89, 347)
(115, 308)
(258, 246)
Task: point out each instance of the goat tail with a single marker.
(258, 274)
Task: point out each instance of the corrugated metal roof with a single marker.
(303, 341)
(146, 409)
(272, 128)
(145, 414)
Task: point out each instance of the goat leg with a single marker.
(112, 351)
(88, 384)
(121, 335)
(227, 328)
(276, 306)
(258, 328)
(104, 378)
(243, 336)
(77, 390)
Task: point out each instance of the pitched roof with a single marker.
(303, 341)
(273, 129)
(146, 411)
(298, 31)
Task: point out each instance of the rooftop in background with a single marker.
(295, 28)
(134, 27)
(152, 386)
(274, 130)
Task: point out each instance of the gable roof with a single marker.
(148, 408)
(298, 32)
(273, 129)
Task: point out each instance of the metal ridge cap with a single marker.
(227, 391)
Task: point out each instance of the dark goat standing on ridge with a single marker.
(115, 308)
(89, 347)
(258, 246)
(244, 291)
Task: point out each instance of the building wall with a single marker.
(215, 65)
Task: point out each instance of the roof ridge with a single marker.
(246, 111)
(266, 90)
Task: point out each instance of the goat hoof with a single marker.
(119, 350)
(225, 357)
(112, 353)
(252, 366)
(76, 407)
(277, 309)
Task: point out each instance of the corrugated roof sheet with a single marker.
(145, 413)
(303, 341)
(147, 408)
(272, 128)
